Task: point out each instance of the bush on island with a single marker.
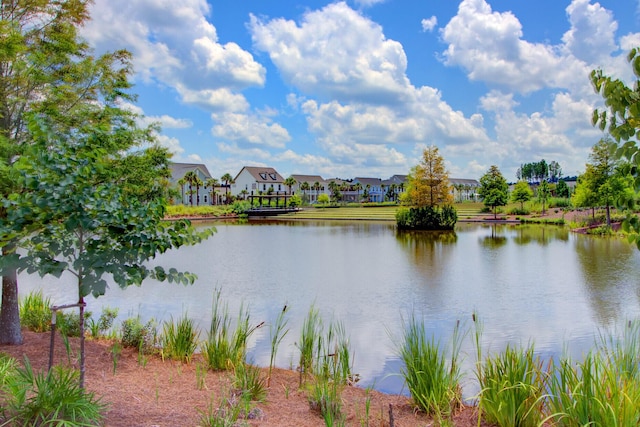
(427, 218)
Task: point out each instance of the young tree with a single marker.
(544, 192)
(429, 181)
(494, 189)
(562, 189)
(290, 182)
(70, 220)
(46, 70)
(621, 118)
(521, 193)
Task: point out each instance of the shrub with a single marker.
(519, 211)
(104, 322)
(54, 398)
(240, 206)
(427, 218)
(69, 322)
(35, 312)
(135, 334)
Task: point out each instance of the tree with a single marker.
(227, 179)
(47, 71)
(429, 181)
(323, 199)
(191, 177)
(305, 187)
(181, 183)
(494, 189)
(211, 184)
(544, 192)
(70, 221)
(562, 189)
(621, 118)
(290, 182)
(555, 171)
(521, 193)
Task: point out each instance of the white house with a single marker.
(255, 180)
(316, 186)
(189, 193)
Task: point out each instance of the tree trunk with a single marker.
(608, 216)
(9, 313)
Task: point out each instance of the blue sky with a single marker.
(360, 88)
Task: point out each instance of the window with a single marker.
(272, 176)
(279, 187)
(263, 175)
(205, 198)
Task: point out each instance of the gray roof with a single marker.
(178, 170)
(368, 181)
(308, 178)
(471, 182)
(263, 174)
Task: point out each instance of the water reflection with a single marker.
(609, 285)
(538, 283)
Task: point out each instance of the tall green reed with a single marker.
(512, 388)
(432, 373)
(603, 389)
(35, 312)
(180, 340)
(277, 332)
(224, 348)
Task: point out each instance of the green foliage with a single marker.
(104, 323)
(249, 381)
(39, 399)
(178, 211)
(512, 387)
(294, 201)
(68, 322)
(427, 218)
(323, 199)
(179, 341)
(135, 334)
(35, 312)
(521, 193)
(494, 189)
(432, 376)
(240, 206)
(562, 189)
(225, 348)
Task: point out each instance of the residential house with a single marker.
(464, 189)
(256, 180)
(189, 193)
(316, 186)
(394, 187)
(371, 187)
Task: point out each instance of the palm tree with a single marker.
(227, 179)
(190, 178)
(181, 183)
(290, 182)
(198, 183)
(305, 187)
(357, 186)
(316, 188)
(212, 183)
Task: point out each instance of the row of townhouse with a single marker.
(259, 180)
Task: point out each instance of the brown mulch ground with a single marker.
(156, 393)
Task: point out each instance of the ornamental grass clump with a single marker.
(179, 340)
(35, 312)
(603, 389)
(55, 398)
(432, 376)
(224, 349)
(512, 387)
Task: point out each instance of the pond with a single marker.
(527, 283)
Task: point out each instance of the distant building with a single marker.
(464, 189)
(317, 185)
(255, 180)
(189, 194)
